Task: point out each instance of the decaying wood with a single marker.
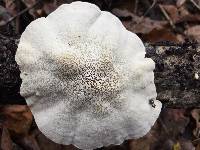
(9, 72)
(176, 74)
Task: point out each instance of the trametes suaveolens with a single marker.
(86, 78)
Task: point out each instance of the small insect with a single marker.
(151, 102)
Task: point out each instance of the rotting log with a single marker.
(176, 73)
(9, 72)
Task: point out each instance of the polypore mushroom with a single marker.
(86, 78)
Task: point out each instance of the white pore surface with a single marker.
(85, 77)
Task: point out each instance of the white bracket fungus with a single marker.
(86, 78)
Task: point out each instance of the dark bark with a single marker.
(176, 66)
(9, 72)
(175, 70)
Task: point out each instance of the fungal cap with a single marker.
(86, 78)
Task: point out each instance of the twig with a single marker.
(22, 12)
(167, 16)
(148, 10)
(196, 140)
(195, 4)
(136, 7)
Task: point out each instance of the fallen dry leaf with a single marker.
(146, 142)
(174, 121)
(11, 6)
(196, 115)
(46, 144)
(143, 143)
(165, 34)
(136, 24)
(179, 3)
(16, 118)
(5, 140)
(193, 32)
(198, 147)
(186, 144)
(28, 142)
(30, 3)
(177, 146)
(172, 12)
(181, 14)
(49, 7)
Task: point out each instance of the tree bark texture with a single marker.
(176, 73)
